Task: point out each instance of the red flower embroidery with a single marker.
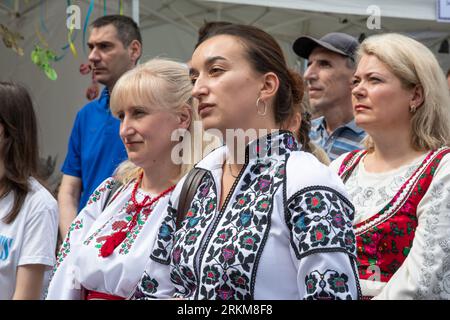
(118, 225)
(315, 202)
(319, 235)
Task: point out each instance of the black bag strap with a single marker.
(190, 186)
(110, 195)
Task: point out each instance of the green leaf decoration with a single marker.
(42, 58)
(51, 73)
(35, 57)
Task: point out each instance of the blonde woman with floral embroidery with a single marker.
(400, 186)
(109, 243)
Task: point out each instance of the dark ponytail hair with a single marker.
(265, 55)
(20, 144)
(302, 134)
(298, 106)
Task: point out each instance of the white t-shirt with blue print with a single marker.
(30, 239)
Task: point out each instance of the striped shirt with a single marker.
(344, 139)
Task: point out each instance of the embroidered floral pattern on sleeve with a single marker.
(146, 289)
(320, 219)
(164, 241)
(65, 247)
(97, 194)
(434, 281)
(330, 285)
(442, 287)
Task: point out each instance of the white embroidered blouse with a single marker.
(284, 232)
(79, 264)
(425, 273)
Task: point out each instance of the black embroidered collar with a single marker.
(274, 144)
(278, 143)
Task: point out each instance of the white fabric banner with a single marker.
(443, 10)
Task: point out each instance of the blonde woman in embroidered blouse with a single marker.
(401, 186)
(108, 245)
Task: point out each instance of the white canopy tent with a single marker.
(169, 29)
(416, 9)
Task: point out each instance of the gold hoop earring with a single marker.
(413, 109)
(257, 107)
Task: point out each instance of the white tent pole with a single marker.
(219, 12)
(146, 10)
(286, 23)
(262, 15)
(182, 17)
(29, 9)
(135, 11)
(223, 14)
(4, 9)
(16, 7)
(438, 41)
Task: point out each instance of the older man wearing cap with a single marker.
(331, 64)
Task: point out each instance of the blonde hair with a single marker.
(164, 84)
(415, 65)
(319, 153)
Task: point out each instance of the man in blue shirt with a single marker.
(329, 75)
(95, 148)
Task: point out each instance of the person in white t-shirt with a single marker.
(400, 185)
(28, 212)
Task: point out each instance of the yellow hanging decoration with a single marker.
(71, 44)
